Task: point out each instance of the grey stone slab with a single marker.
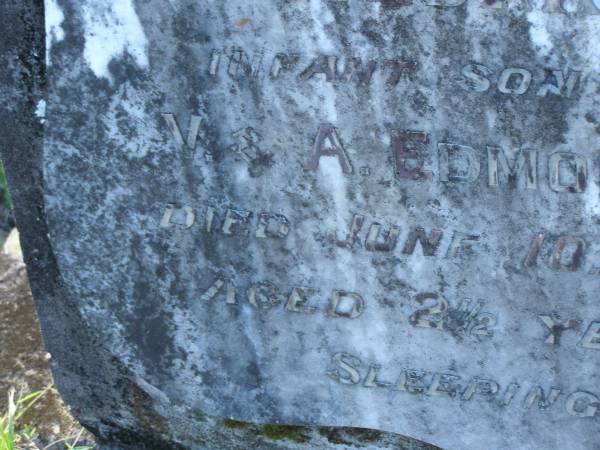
(373, 214)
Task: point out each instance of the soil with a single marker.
(24, 362)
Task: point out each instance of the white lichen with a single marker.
(589, 47)
(332, 177)
(54, 30)
(538, 31)
(112, 29)
(592, 199)
(40, 110)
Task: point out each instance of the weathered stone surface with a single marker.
(376, 214)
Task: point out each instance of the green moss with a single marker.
(235, 424)
(346, 436)
(280, 432)
(364, 435)
(148, 418)
(6, 199)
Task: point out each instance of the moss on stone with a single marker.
(363, 434)
(235, 424)
(281, 432)
(349, 436)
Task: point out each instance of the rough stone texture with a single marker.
(217, 274)
(24, 366)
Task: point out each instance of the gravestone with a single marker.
(320, 213)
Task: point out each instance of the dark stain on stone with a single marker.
(369, 28)
(259, 165)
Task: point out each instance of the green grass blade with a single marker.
(10, 425)
(25, 403)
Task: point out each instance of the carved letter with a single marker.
(297, 302)
(582, 404)
(537, 394)
(239, 60)
(506, 81)
(525, 161)
(372, 243)
(352, 238)
(561, 85)
(480, 386)
(345, 304)
(265, 222)
(234, 217)
(407, 159)
(509, 394)
(210, 218)
(591, 339)
(263, 295)
(443, 385)
(214, 290)
(298, 299)
(457, 243)
(324, 64)
(576, 164)
(371, 380)
(398, 68)
(215, 60)
(283, 63)
(437, 311)
(576, 248)
(194, 130)
(411, 381)
(429, 244)
(534, 250)
(465, 165)
(556, 329)
(355, 69)
(179, 216)
(328, 143)
(475, 78)
(344, 362)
